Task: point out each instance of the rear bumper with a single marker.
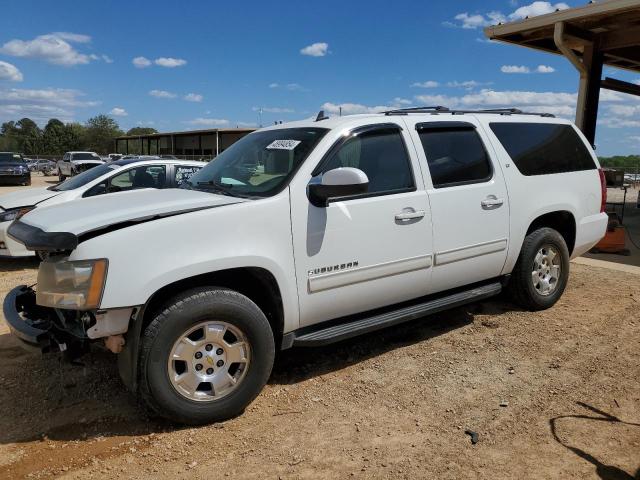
(589, 231)
(27, 321)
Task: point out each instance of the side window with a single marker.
(455, 156)
(543, 148)
(184, 173)
(382, 155)
(150, 176)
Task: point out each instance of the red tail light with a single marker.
(603, 189)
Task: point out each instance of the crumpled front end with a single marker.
(47, 329)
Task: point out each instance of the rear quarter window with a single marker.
(543, 148)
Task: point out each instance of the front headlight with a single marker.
(14, 213)
(75, 285)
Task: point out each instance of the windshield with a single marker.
(11, 157)
(84, 177)
(84, 156)
(258, 165)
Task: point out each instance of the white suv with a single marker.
(308, 233)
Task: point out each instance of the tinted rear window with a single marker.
(543, 148)
(455, 156)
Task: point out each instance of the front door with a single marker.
(369, 250)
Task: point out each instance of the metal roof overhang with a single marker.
(597, 34)
(613, 26)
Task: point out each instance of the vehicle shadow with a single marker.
(53, 400)
(299, 364)
(8, 264)
(604, 471)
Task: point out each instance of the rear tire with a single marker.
(542, 270)
(205, 312)
(61, 177)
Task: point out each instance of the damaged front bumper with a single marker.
(48, 329)
(27, 321)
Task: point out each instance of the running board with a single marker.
(360, 326)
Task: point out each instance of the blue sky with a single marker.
(203, 64)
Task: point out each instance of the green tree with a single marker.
(100, 133)
(141, 131)
(53, 137)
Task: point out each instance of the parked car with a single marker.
(14, 169)
(47, 167)
(73, 163)
(118, 176)
(113, 157)
(308, 233)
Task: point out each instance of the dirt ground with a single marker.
(554, 394)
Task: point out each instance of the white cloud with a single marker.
(536, 8)
(399, 102)
(193, 97)
(209, 122)
(427, 84)
(54, 48)
(624, 110)
(41, 105)
(319, 49)
(10, 72)
(514, 69)
(170, 62)
(545, 69)
(273, 109)
(351, 108)
(106, 58)
(73, 37)
(141, 62)
(162, 94)
(473, 21)
(468, 84)
(118, 112)
(293, 87)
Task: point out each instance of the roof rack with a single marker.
(441, 109)
(404, 111)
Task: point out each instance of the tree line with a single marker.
(620, 161)
(96, 135)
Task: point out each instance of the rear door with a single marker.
(469, 202)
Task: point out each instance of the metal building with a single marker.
(196, 143)
(600, 33)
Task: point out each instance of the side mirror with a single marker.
(336, 183)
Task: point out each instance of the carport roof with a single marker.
(613, 26)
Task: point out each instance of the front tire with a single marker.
(205, 356)
(542, 270)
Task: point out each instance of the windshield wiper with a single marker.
(217, 187)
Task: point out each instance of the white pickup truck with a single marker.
(304, 234)
(73, 163)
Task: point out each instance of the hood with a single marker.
(97, 213)
(25, 198)
(87, 162)
(10, 164)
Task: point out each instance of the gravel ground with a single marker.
(553, 394)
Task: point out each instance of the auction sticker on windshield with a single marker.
(283, 144)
